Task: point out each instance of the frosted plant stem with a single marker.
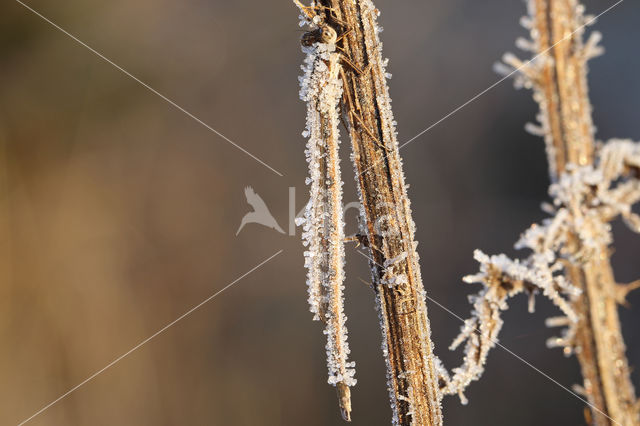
(563, 98)
(321, 89)
(366, 108)
(591, 186)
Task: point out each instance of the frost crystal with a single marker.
(536, 74)
(323, 227)
(585, 200)
(592, 184)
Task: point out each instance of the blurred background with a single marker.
(118, 213)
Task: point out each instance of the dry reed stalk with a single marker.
(388, 229)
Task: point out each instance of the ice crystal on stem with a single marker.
(557, 68)
(400, 294)
(502, 278)
(344, 42)
(585, 200)
(592, 184)
(321, 89)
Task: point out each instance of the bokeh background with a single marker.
(118, 213)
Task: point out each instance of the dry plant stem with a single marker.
(390, 230)
(323, 220)
(569, 262)
(565, 85)
(599, 343)
(336, 270)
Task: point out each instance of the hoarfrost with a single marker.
(399, 270)
(585, 200)
(534, 74)
(323, 227)
(590, 188)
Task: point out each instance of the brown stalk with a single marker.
(407, 337)
(563, 98)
